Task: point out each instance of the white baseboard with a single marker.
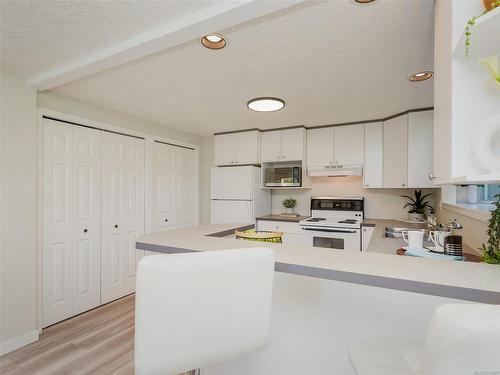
(17, 342)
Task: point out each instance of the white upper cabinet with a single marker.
(373, 165)
(341, 145)
(320, 146)
(395, 152)
(420, 149)
(349, 144)
(237, 148)
(283, 145)
(271, 146)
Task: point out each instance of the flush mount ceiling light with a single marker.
(266, 104)
(421, 76)
(213, 41)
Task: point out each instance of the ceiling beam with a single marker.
(217, 17)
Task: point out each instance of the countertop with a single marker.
(469, 281)
(277, 217)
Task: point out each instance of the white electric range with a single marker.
(335, 223)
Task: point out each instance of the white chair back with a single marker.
(195, 309)
(463, 339)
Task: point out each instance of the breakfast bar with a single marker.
(461, 280)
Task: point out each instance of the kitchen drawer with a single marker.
(277, 226)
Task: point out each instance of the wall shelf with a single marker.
(484, 38)
(476, 179)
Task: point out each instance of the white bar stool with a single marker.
(462, 339)
(196, 309)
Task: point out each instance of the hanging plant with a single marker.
(491, 251)
(472, 21)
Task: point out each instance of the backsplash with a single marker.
(379, 203)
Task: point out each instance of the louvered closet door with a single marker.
(174, 190)
(70, 255)
(122, 161)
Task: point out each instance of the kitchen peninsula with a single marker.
(463, 280)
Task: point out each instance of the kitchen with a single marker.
(211, 174)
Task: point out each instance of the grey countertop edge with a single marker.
(440, 290)
(228, 232)
(285, 219)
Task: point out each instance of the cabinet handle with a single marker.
(278, 157)
(432, 177)
(403, 184)
(282, 157)
(85, 230)
(116, 225)
(166, 220)
(367, 185)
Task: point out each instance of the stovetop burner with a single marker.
(316, 219)
(348, 221)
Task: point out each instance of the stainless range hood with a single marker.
(335, 171)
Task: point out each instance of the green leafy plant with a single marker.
(472, 21)
(491, 250)
(289, 202)
(418, 204)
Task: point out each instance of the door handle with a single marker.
(85, 230)
(116, 225)
(166, 220)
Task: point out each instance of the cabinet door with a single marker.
(420, 148)
(349, 144)
(224, 149)
(87, 217)
(320, 146)
(292, 144)
(271, 146)
(366, 235)
(372, 173)
(395, 152)
(247, 147)
(58, 228)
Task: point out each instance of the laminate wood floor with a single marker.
(100, 341)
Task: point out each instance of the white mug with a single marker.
(414, 238)
(437, 236)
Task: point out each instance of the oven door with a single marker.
(331, 238)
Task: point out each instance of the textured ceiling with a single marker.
(39, 35)
(331, 62)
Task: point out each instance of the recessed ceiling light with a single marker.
(364, 1)
(213, 41)
(266, 104)
(421, 76)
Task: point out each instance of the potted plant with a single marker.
(417, 206)
(289, 203)
(491, 251)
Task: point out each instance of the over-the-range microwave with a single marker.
(283, 177)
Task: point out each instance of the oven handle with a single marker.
(329, 230)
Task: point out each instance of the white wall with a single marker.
(18, 320)
(60, 103)
(379, 203)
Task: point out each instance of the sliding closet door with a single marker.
(122, 161)
(71, 215)
(174, 176)
(87, 217)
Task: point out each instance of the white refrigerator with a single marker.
(236, 196)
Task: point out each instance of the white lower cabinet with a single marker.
(290, 230)
(93, 211)
(366, 235)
